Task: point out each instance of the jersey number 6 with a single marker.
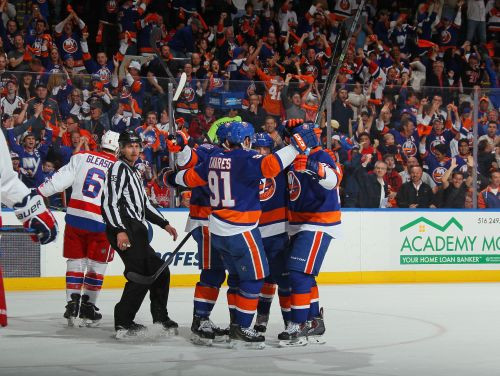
(92, 186)
(214, 183)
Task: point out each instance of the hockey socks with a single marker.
(232, 292)
(314, 305)
(94, 277)
(285, 303)
(247, 301)
(207, 291)
(74, 276)
(266, 296)
(301, 295)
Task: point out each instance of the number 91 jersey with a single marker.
(85, 174)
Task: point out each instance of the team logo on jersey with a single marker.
(188, 94)
(435, 143)
(267, 187)
(111, 6)
(344, 5)
(70, 46)
(409, 148)
(104, 75)
(438, 173)
(294, 187)
(445, 37)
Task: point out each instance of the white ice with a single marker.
(420, 329)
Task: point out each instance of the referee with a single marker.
(125, 209)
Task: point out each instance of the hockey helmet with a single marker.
(128, 137)
(109, 141)
(263, 140)
(239, 131)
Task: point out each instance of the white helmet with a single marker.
(109, 141)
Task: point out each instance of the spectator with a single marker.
(342, 111)
(255, 114)
(292, 103)
(453, 195)
(392, 178)
(486, 160)
(476, 21)
(415, 193)
(490, 197)
(271, 129)
(491, 134)
(201, 123)
(374, 191)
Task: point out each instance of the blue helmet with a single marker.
(263, 140)
(221, 132)
(238, 131)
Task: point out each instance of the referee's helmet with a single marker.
(128, 137)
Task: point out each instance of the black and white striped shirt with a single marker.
(124, 196)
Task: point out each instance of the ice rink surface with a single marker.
(414, 329)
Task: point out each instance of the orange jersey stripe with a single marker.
(192, 162)
(299, 300)
(237, 216)
(206, 293)
(206, 247)
(199, 211)
(272, 216)
(314, 292)
(231, 299)
(246, 304)
(192, 179)
(313, 253)
(325, 217)
(270, 166)
(254, 252)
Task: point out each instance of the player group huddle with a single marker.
(264, 216)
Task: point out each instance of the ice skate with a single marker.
(294, 335)
(316, 329)
(133, 330)
(261, 323)
(245, 337)
(89, 316)
(72, 309)
(170, 326)
(202, 332)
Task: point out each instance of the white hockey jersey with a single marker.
(12, 190)
(9, 107)
(85, 174)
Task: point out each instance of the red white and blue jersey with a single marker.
(435, 139)
(314, 205)
(199, 204)
(273, 200)
(85, 174)
(233, 178)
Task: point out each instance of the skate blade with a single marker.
(221, 339)
(316, 340)
(87, 323)
(126, 335)
(71, 321)
(199, 341)
(238, 345)
(296, 343)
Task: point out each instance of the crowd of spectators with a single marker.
(402, 106)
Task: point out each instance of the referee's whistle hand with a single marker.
(122, 241)
(172, 231)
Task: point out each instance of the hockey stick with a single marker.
(154, 37)
(333, 73)
(149, 279)
(180, 87)
(19, 231)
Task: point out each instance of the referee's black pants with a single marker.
(140, 258)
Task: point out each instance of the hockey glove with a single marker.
(35, 216)
(303, 164)
(300, 163)
(167, 177)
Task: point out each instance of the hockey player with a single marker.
(213, 273)
(233, 178)
(28, 207)
(272, 227)
(314, 219)
(86, 247)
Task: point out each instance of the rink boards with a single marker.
(377, 246)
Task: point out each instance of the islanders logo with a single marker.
(70, 46)
(294, 187)
(409, 148)
(267, 187)
(438, 173)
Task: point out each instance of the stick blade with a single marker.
(180, 87)
(139, 278)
